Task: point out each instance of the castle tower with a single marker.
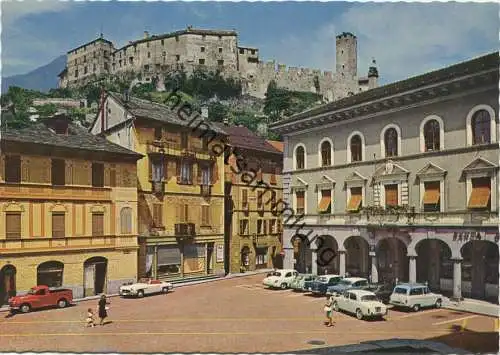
(373, 75)
(347, 55)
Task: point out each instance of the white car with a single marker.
(415, 297)
(280, 279)
(364, 304)
(147, 287)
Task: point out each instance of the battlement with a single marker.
(346, 35)
(281, 70)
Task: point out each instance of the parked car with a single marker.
(415, 297)
(41, 296)
(148, 287)
(280, 279)
(347, 284)
(308, 284)
(362, 303)
(321, 284)
(382, 291)
(297, 284)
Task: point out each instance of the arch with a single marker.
(357, 256)
(7, 283)
(441, 132)
(50, 273)
(434, 263)
(327, 254)
(321, 158)
(126, 220)
(295, 156)
(58, 207)
(245, 256)
(383, 139)
(13, 207)
(349, 139)
(95, 275)
(392, 260)
(468, 123)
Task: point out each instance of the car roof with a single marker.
(329, 275)
(410, 285)
(284, 270)
(354, 279)
(361, 292)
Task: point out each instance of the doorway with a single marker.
(95, 280)
(7, 283)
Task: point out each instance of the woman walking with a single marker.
(328, 310)
(103, 309)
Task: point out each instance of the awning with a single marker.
(354, 203)
(431, 195)
(479, 197)
(325, 203)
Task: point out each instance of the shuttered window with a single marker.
(13, 168)
(205, 215)
(13, 225)
(126, 220)
(432, 196)
(356, 198)
(391, 195)
(158, 214)
(325, 202)
(300, 197)
(480, 196)
(58, 225)
(243, 226)
(97, 174)
(58, 172)
(97, 224)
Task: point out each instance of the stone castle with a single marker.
(153, 56)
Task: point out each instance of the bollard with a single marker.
(464, 325)
(497, 325)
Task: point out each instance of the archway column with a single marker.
(288, 259)
(314, 261)
(342, 262)
(374, 267)
(457, 279)
(412, 259)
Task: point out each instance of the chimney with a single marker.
(204, 112)
(146, 34)
(373, 75)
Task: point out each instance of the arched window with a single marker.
(50, 274)
(326, 154)
(356, 148)
(431, 135)
(481, 127)
(300, 158)
(391, 142)
(126, 220)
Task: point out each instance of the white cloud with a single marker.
(14, 10)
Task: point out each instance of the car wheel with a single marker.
(283, 286)
(140, 293)
(359, 314)
(164, 290)
(416, 307)
(439, 303)
(25, 308)
(62, 303)
(335, 306)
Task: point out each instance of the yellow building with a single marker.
(67, 206)
(253, 186)
(180, 183)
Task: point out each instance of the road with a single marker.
(236, 315)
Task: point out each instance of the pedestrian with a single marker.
(103, 309)
(328, 310)
(90, 318)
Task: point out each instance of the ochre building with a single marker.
(67, 206)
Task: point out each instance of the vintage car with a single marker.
(415, 297)
(347, 284)
(362, 303)
(383, 291)
(321, 284)
(41, 297)
(147, 287)
(280, 279)
(297, 284)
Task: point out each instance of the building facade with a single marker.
(154, 56)
(400, 182)
(180, 184)
(252, 186)
(67, 205)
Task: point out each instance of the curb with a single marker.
(176, 285)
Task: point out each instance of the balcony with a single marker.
(205, 190)
(175, 149)
(49, 192)
(185, 230)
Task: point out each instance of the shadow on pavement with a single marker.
(475, 342)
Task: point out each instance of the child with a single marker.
(328, 310)
(90, 318)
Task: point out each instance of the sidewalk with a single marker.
(473, 306)
(176, 284)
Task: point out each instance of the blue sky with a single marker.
(405, 38)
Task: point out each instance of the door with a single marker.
(89, 282)
(352, 302)
(416, 297)
(40, 299)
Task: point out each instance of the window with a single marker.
(186, 172)
(355, 199)
(206, 178)
(50, 274)
(58, 225)
(300, 158)
(356, 148)
(391, 195)
(13, 225)
(177, 57)
(158, 133)
(244, 199)
(272, 226)
(326, 201)
(391, 142)
(220, 49)
(58, 172)
(242, 51)
(201, 61)
(481, 127)
(202, 49)
(432, 135)
(205, 215)
(480, 197)
(260, 203)
(177, 38)
(352, 296)
(126, 220)
(149, 53)
(220, 62)
(204, 143)
(432, 196)
(416, 291)
(157, 215)
(98, 224)
(76, 73)
(97, 174)
(300, 197)
(162, 42)
(184, 140)
(157, 169)
(326, 154)
(183, 213)
(260, 229)
(84, 70)
(13, 168)
(243, 226)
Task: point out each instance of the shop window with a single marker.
(50, 274)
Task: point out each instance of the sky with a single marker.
(406, 39)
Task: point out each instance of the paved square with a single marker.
(237, 315)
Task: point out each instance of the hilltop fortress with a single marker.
(154, 56)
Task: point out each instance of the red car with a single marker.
(40, 297)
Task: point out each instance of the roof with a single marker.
(78, 138)
(242, 137)
(485, 62)
(150, 110)
(277, 145)
(86, 44)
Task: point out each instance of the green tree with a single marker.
(46, 110)
(277, 101)
(217, 112)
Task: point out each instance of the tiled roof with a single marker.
(78, 138)
(86, 44)
(242, 137)
(277, 144)
(483, 63)
(150, 110)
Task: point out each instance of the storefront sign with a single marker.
(468, 236)
(220, 253)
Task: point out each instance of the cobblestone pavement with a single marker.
(236, 315)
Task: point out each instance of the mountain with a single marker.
(42, 78)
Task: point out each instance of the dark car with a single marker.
(322, 283)
(382, 291)
(308, 284)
